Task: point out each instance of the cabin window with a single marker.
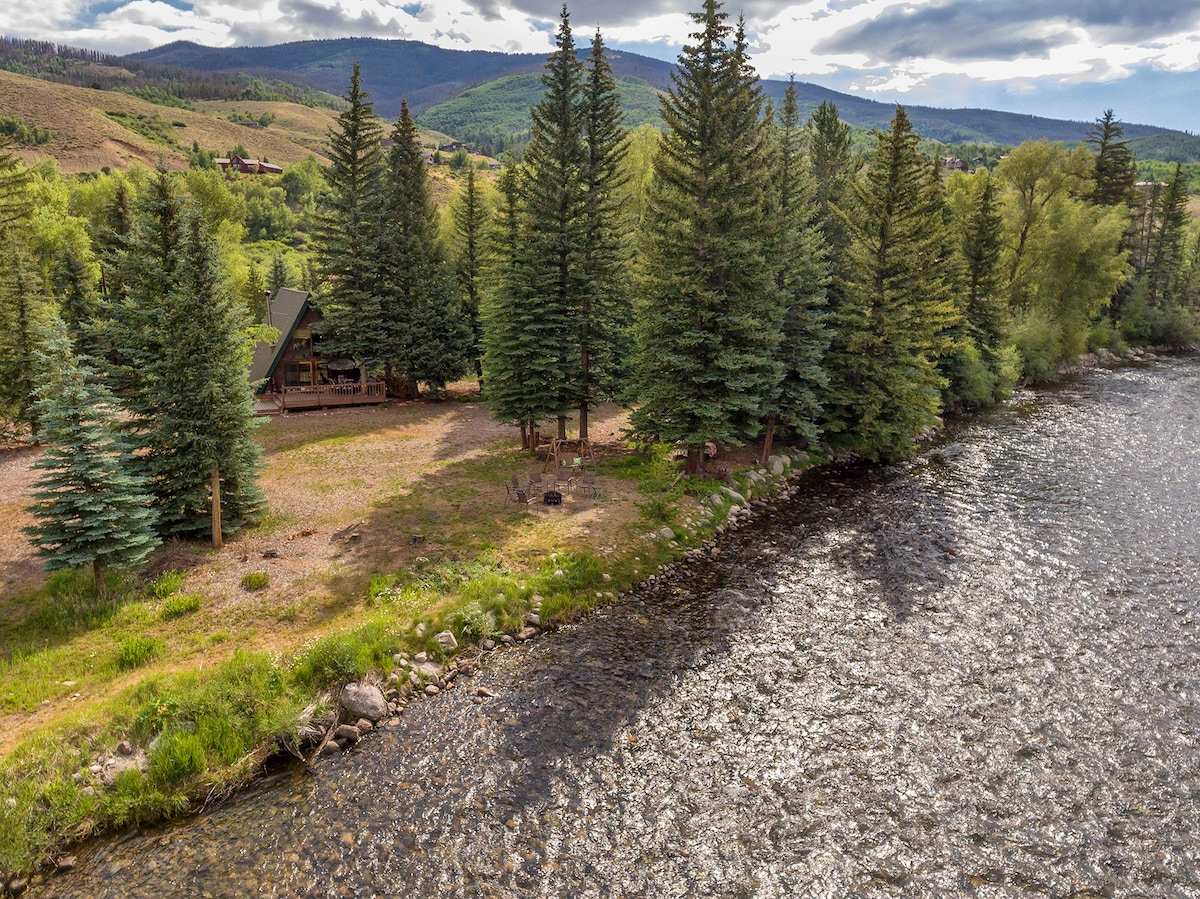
(302, 347)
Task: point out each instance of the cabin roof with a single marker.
(284, 312)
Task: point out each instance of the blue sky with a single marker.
(1062, 58)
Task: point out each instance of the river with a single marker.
(973, 674)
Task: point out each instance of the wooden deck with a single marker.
(323, 396)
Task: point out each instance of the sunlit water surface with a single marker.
(974, 674)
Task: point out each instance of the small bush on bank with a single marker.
(178, 606)
(1036, 336)
(166, 584)
(256, 580)
(133, 652)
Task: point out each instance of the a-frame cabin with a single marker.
(293, 374)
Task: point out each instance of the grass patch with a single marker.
(178, 606)
(153, 127)
(256, 580)
(134, 652)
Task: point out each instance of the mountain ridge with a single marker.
(427, 76)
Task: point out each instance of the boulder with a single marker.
(347, 732)
(666, 534)
(364, 701)
(446, 640)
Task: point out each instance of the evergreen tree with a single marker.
(1115, 169)
(834, 165)
(894, 319)
(91, 508)
(281, 275)
(470, 216)
(799, 257)
(709, 306)
(254, 294)
(552, 192)
(76, 292)
(1165, 258)
(425, 335)
(520, 377)
(203, 403)
(604, 313)
(345, 232)
(23, 311)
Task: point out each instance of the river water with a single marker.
(974, 674)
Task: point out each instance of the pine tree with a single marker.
(709, 307)
(425, 335)
(834, 165)
(552, 193)
(893, 322)
(1116, 169)
(520, 378)
(470, 216)
(604, 312)
(203, 404)
(800, 259)
(1165, 257)
(345, 232)
(91, 508)
(281, 275)
(23, 311)
(76, 292)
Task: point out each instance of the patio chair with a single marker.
(535, 479)
(565, 478)
(588, 483)
(511, 487)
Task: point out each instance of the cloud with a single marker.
(960, 30)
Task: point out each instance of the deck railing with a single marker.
(319, 396)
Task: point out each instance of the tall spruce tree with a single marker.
(470, 216)
(90, 506)
(897, 308)
(345, 232)
(604, 312)
(425, 334)
(709, 305)
(203, 420)
(23, 311)
(1115, 169)
(552, 191)
(799, 256)
(520, 378)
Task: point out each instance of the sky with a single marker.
(1068, 59)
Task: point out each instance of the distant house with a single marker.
(248, 166)
(954, 164)
(293, 374)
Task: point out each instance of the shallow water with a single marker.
(974, 674)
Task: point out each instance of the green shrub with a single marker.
(134, 801)
(580, 571)
(1036, 336)
(178, 755)
(178, 606)
(472, 622)
(166, 583)
(133, 652)
(256, 580)
(342, 657)
(72, 604)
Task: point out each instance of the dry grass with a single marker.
(348, 492)
(84, 139)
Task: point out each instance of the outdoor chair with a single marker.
(535, 478)
(588, 484)
(511, 487)
(565, 478)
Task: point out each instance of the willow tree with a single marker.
(709, 307)
(897, 309)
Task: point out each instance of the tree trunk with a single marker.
(695, 458)
(769, 439)
(524, 436)
(583, 420)
(217, 540)
(562, 427)
(98, 575)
